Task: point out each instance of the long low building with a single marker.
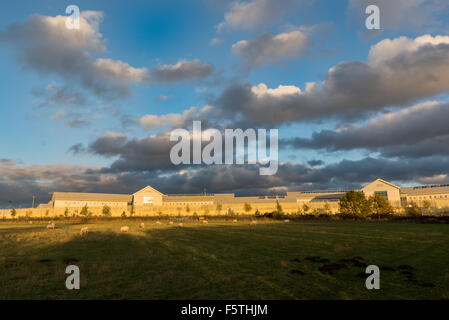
(149, 197)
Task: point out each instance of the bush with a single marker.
(247, 208)
(123, 214)
(106, 211)
(13, 212)
(354, 204)
(413, 210)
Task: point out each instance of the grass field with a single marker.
(223, 260)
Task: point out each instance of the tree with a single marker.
(84, 211)
(13, 212)
(305, 208)
(354, 204)
(66, 212)
(327, 208)
(219, 208)
(132, 210)
(427, 205)
(278, 207)
(247, 207)
(123, 214)
(380, 205)
(187, 208)
(106, 211)
(413, 209)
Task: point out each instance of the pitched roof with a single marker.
(148, 189)
(81, 196)
(383, 181)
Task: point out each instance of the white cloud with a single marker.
(267, 48)
(173, 120)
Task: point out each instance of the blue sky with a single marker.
(37, 145)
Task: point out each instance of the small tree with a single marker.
(327, 208)
(354, 204)
(247, 208)
(278, 207)
(13, 212)
(66, 212)
(219, 208)
(123, 214)
(106, 211)
(84, 211)
(187, 208)
(427, 205)
(132, 210)
(380, 205)
(305, 208)
(413, 210)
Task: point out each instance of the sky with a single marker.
(91, 109)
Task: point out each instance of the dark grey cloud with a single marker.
(180, 72)
(417, 131)
(19, 182)
(315, 163)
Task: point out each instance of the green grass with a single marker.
(221, 260)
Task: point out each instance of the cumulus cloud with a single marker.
(46, 45)
(174, 120)
(267, 48)
(398, 71)
(182, 71)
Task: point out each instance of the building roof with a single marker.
(383, 181)
(81, 196)
(425, 190)
(148, 189)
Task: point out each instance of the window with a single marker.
(148, 200)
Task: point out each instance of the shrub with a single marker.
(106, 211)
(327, 208)
(13, 212)
(66, 212)
(123, 214)
(354, 204)
(413, 210)
(247, 207)
(219, 208)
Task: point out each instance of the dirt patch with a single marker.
(296, 271)
(317, 259)
(330, 268)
